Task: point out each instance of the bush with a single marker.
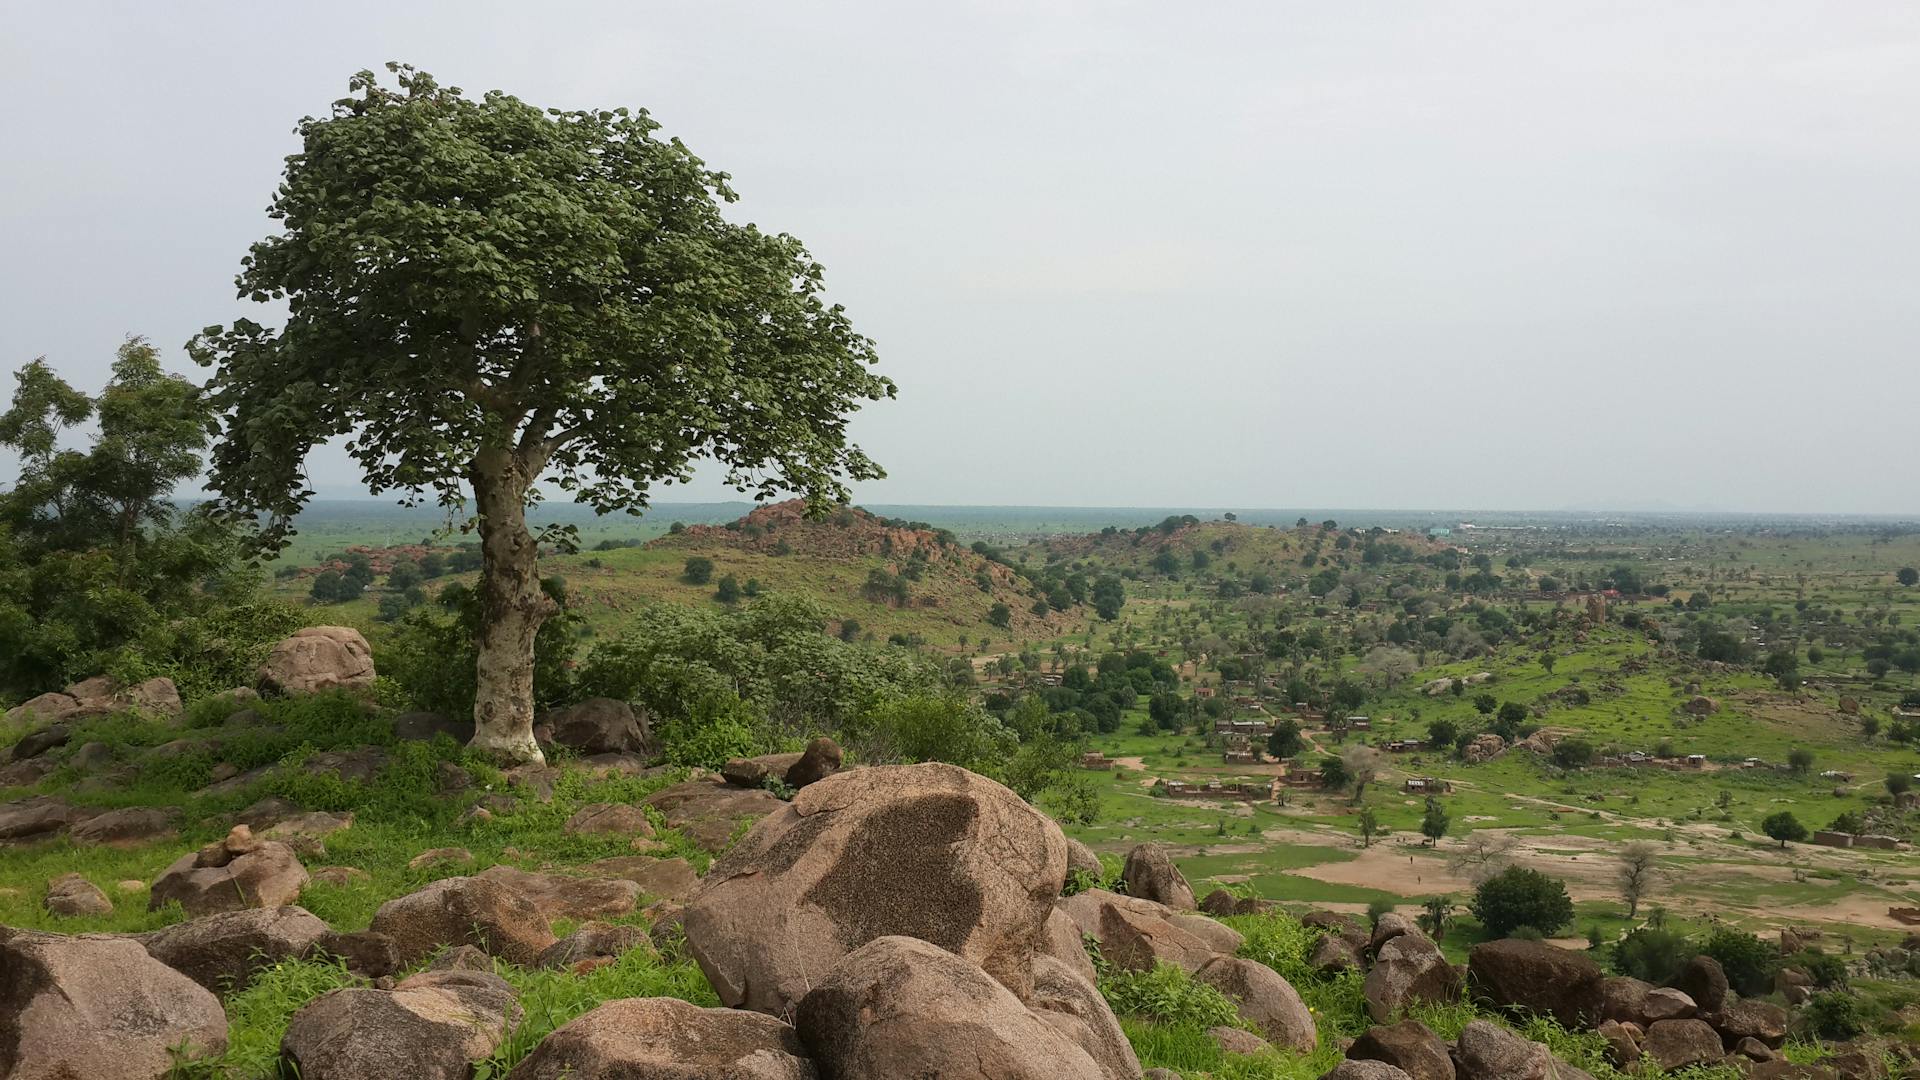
(1165, 994)
(1652, 954)
(1834, 1014)
(698, 570)
(432, 657)
(1748, 961)
(1518, 897)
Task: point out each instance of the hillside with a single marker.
(1230, 550)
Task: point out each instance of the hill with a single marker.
(1186, 547)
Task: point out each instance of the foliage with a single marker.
(432, 656)
(1784, 827)
(1652, 954)
(1749, 962)
(1166, 994)
(1519, 896)
(1834, 1014)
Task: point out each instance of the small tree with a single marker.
(1637, 874)
(1369, 826)
(1484, 704)
(1800, 760)
(727, 591)
(1784, 827)
(1434, 825)
(1518, 896)
(1285, 741)
(1000, 615)
(1899, 783)
(1442, 733)
(1436, 916)
(1573, 753)
(1484, 854)
(1361, 765)
(1908, 576)
(698, 570)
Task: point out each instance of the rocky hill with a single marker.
(1228, 550)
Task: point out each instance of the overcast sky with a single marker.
(1494, 255)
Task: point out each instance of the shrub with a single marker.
(698, 570)
(1165, 994)
(1652, 954)
(1518, 897)
(1748, 961)
(1834, 1014)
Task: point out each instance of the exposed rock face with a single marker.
(222, 951)
(562, 896)
(432, 1026)
(465, 911)
(318, 658)
(1364, 1070)
(595, 941)
(753, 772)
(1062, 942)
(1538, 977)
(1486, 1051)
(1666, 1003)
(931, 851)
(1138, 942)
(38, 818)
(610, 819)
(1084, 860)
(124, 827)
(1409, 1046)
(901, 1007)
(665, 879)
(1678, 1043)
(1069, 1003)
(1408, 969)
(73, 895)
(1151, 875)
(1749, 1018)
(231, 874)
(1264, 999)
(821, 759)
(710, 811)
(667, 1039)
(601, 726)
(1219, 937)
(1703, 980)
(98, 1008)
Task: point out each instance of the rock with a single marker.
(126, 827)
(155, 697)
(1339, 924)
(1409, 1046)
(46, 709)
(222, 951)
(609, 819)
(1486, 1051)
(595, 941)
(1135, 942)
(34, 744)
(1675, 1044)
(562, 896)
(1390, 925)
(1218, 903)
(1483, 747)
(92, 757)
(72, 895)
(1219, 937)
(1701, 705)
(1151, 875)
(318, 658)
(1538, 977)
(601, 726)
(425, 726)
(1624, 998)
(1666, 1003)
(667, 1039)
(307, 833)
(461, 958)
(1364, 1070)
(1063, 943)
(1754, 1050)
(26, 773)
(821, 759)
(1160, 1074)
(39, 818)
(710, 812)
(1623, 1047)
(440, 856)
(1750, 1018)
(433, 1026)
(1409, 969)
(339, 877)
(1234, 1040)
(1264, 999)
(753, 772)
(902, 1007)
(229, 875)
(359, 765)
(1703, 980)
(1069, 1003)
(366, 953)
(465, 911)
(928, 851)
(1084, 909)
(665, 879)
(1331, 954)
(98, 1008)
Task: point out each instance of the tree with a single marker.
(727, 590)
(1000, 615)
(1285, 741)
(1434, 824)
(1333, 771)
(485, 294)
(1517, 897)
(1484, 704)
(1361, 764)
(1899, 783)
(1573, 753)
(1784, 827)
(1637, 874)
(698, 570)
(404, 575)
(1369, 826)
(1908, 576)
(1109, 596)
(1442, 733)
(1800, 760)
(1436, 916)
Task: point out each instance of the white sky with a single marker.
(1504, 255)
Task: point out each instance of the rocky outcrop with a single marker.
(1676, 1044)
(465, 911)
(1151, 875)
(596, 941)
(667, 1039)
(318, 658)
(126, 827)
(432, 1026)
(230, 874)
(563, 896)
(39, 818)
(711, 812)
(1486, 1051)
(1749, 1018)
(609, 819)
(1409, 1046)
(1409, 969)
(97, 1007)
(901, 1007)
(821, 759)
(1703, 980)
(1062, 942)
(1135, 941)
(1263, 999)
(72, 895)
(1624, 999)
(931, 852)
(98, 696)
(222, 951)
(663, 879)
(1069, 1003)
(1537, 977)
(601, 726)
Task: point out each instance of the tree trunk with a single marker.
(512, 608)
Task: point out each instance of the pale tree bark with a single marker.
(512, 606)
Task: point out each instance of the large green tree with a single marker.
(483, 295)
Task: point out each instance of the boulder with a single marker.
(1666, 1003)
(72, 895)
(821, 759)
(26, 773)
(366, 953)
(1409, 1046)
(126, 827)
(711, 811)
(1703, 980)
(1390, 925)
(1537, 977)
(595, 941)
(92, 757)
(46, 709)
(155, 697)
(1264, 999)
(562, 896)
(1750, 1018)
(318, 658)
(97, 1007)
(1069, 1003)
(1623, 1045)
(33, 744)
(465, 911)
(1624, 998)
(667, 1039)
(1151, 875)
(1083, 859)
(1331, 954)
(1755, 1050)
(902, 1007)
(609, 819)
(307, 833)
(39, 818)
(1409, 969)
(1482, 748)
(1219, 937)
(440, 856)
(665, 879)
(1062, 942)
(432, 1026)
(1364, 1070)
(753, 772)
(1676, 1044)
(1487, 1051)
(222, 951)
(231, 874)
(601, 726)
(1339, 924)
(928, 851)
(1235, 1040)
(1136, 942)
(1084, 908)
